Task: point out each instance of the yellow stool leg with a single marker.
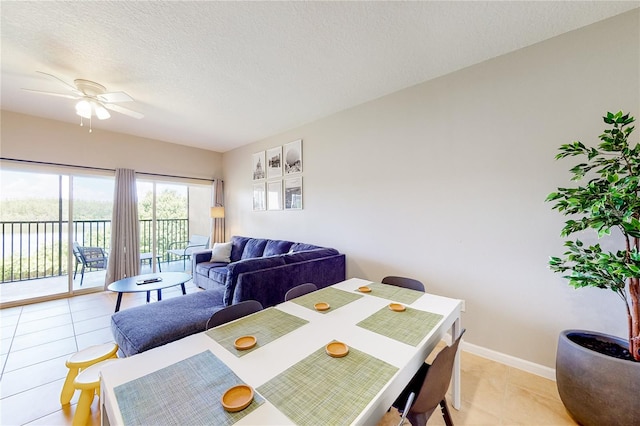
(84, 407)
(68, 389)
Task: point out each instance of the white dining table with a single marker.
(263, 364)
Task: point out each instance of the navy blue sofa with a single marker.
(264, 270)
(276, 267)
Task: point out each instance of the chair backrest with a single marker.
(300, 290)
(233, 312)
(199, 240)
(404, 282)
(76, 252)
(436, 383)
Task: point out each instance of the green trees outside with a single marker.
(42, 257)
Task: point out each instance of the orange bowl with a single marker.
(397, 307)
(237, 398)
(364, 289)
(322, 306)
(245, 342)
(337, 349)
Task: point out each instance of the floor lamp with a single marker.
(217, 213)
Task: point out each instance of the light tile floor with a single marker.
(37, 339)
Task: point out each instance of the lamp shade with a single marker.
(217, 212)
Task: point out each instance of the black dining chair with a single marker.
(300, 290)
(430, 384)
(404, 282)
(233, 312)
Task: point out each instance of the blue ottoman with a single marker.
(145, 327)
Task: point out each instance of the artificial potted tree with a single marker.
(598, 375)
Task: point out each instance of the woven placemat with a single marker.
(409, 326)
(392, 292)
(266, 325)
(185, 393)
(321, 390)
(334, 297)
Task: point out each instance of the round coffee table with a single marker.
(148, 283)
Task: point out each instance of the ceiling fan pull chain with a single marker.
(90, 129)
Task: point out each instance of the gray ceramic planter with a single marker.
(597, 389)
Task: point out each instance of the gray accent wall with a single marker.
(446, 181)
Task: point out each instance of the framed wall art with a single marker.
(274, 162)
(293, 193)
(274, 195)
(258, 165)
(293, 157)
(259, 197)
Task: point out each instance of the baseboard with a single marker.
(511, 361)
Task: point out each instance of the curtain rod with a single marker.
(100, 168)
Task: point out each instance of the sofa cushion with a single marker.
(221, 252)
(237, 247)
(148, 326)
(219, 274)
(275, 247)
(296, 247)
(308, 255)
(203, 268)
(253, 248)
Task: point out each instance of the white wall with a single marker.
(37, 139)
(446, 182)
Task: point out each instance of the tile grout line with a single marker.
(4, 364)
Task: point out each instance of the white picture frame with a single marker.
(259, 197)
(274, 162)
(292, 157)
(258, 166)
(274, 195)
(293, 193)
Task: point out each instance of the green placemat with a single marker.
(409, 326)
(334, 297)
(184, 393)
(321, 390)
(392, 292)
(266, 325)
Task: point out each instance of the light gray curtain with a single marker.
(124, 258)
(218, 201)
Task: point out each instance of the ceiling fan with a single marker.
(92, 97)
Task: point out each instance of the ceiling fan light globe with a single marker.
(83, 109)
(101, 112)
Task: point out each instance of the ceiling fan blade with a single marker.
(115, 97)
(123, 110)
(64, 83)
(62, 95)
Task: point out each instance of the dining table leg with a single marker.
(456, 328)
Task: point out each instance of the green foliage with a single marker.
(41, 210)
(609, 200)
(169, 205)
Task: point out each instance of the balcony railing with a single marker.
(39, 249)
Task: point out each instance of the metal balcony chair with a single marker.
(300, 290)
(185, 249)
(404, 282)
(430, 384)
(233, 312)
(88, 257)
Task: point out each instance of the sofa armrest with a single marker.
(236, 269)
(202, 256)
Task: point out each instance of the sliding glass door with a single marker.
(56, 230)
(42, 255)
(169, 214)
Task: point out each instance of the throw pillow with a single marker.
(221, 252)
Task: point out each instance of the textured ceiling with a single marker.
(218, 75)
